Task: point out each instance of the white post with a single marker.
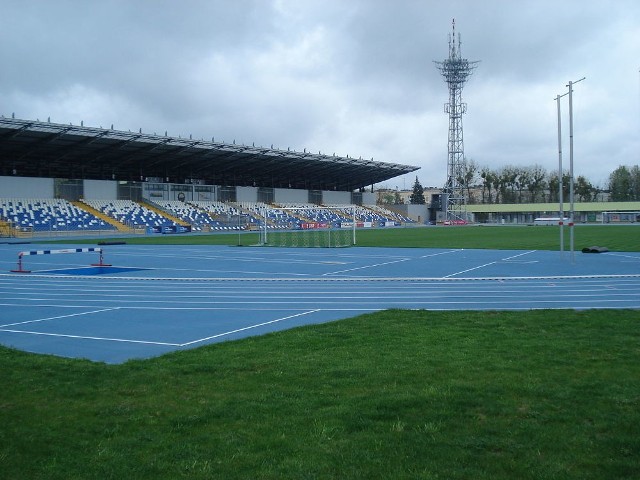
(571, 206)
(560, 187)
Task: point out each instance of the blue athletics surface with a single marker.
(158, 299)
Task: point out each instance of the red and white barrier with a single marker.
(64, 250)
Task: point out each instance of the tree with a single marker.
(507, 184)
(515, 184)
(417, 196)
(620, 184)
(537, 183)
(385, 197)
(553, 187)
(466, 177)
(488, 177)
(635, 182)
(584, 190)
(522, 182)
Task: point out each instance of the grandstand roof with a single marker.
(34, 148)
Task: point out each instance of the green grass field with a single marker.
(624, 238)
(393, 395)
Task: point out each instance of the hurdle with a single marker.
(100, 263)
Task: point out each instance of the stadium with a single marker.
(84, 180)
(174, 307)
(69, 184)
(163, 351)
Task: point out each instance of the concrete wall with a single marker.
(100, 189)
(284, 195)
(329, 197)
(369, 198)
(419, 213)
(246, 194)
(26, 187)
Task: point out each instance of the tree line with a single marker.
(534, 184)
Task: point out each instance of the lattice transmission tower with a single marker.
(455, 71)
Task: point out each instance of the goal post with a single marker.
(621, 217)
(309, 226)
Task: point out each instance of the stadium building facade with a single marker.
(41, 158)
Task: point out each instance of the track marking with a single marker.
(632, 257)
(288, 295)
(248, 328)
(60, 317)
(367, 266)
(323, 278)
(506, 259)
(391, 262)
(83, 337)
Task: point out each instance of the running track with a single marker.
(164, 298)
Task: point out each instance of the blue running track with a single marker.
(158, 299)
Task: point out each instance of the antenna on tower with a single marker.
(455, 71)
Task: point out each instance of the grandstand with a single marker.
(44, 216)
(49, 215)
(30, 216)
(51, 173)
(131, 214)
(32, 148)
(68, 179)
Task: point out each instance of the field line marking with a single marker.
(366, 266)
(506, 259)
(387, 263)
(83, 337)
(323, 279)
(632, 257)
(59, 317)
(249, 327)
(469, 269)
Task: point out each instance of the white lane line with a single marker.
(83, 337)
(514, 258)
(469, 270)
(249, 327)
(366, 266)
(59, 317)
(323, 279)
(387, 263)
(506, 259)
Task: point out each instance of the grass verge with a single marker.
(622, 238)
(395, 394)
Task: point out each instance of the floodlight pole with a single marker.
(571, 202)
(455, 71)
(560, 183)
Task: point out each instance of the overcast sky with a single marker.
(350, 77)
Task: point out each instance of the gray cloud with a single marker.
(352, 77)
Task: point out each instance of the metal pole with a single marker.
(571, 203)
(560, 185)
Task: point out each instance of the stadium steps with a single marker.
(155, 208)
(391, 209)
(105, 218)
(5, 229)
(244, 210)
(213, 216)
